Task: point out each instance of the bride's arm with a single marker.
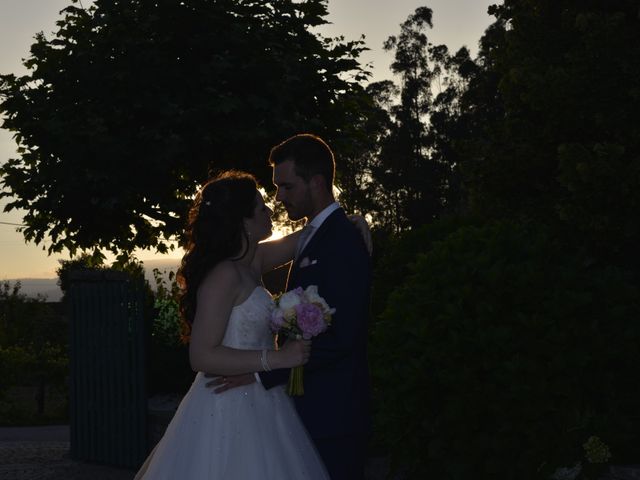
(275, 253)
(216, 297)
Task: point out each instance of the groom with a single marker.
(332, 255)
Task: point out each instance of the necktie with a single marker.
(304, 236)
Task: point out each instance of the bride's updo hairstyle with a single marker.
(215, 232)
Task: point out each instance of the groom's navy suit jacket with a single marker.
(336, 378)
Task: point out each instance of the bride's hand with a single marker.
(363, 227)
(294, 353)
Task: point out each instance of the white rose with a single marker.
(289, 300)
(311, 294)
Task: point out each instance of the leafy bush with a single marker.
(33, 387)
(14, 361)
(33, 354)
(167, 327)
(502, 354)
(169, 367)
(394, 255)
(603, 183)
(28, 321)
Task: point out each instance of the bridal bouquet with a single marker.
(300, 314)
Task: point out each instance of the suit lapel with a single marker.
(321, 232)
(311, 246)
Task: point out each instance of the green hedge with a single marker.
(394, 255)
(169, 369)
(33, 357)
(502, 354)
(44, 374)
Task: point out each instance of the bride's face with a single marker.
(259, 226)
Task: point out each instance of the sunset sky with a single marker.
(456, 23)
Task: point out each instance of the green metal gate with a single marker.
(107, 388)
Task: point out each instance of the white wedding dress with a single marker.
(244, 433)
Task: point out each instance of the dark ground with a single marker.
(42, 453)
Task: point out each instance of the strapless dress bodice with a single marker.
(248, 326)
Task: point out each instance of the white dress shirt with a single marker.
(318, 220)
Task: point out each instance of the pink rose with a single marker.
(310, 320)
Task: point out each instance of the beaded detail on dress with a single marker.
(248, 326)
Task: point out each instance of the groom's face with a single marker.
(292, 191)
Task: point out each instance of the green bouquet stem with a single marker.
(295, 387)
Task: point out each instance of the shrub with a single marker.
(394, 255)
(14, 363)
(169, 367)
(502, 354)
(33, 354)
(167, 328)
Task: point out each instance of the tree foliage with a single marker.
(131, 105)
(542, 124)
(550, 120)
(506, 353)
(414, 172)
(517, 330)
(357, 153)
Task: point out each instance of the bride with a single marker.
(250, 432)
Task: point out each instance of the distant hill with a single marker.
(47, 287)
(168, 265)
(32, 287)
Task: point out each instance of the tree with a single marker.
(525, 318)
(67, 267)
(357, 151)
(131, 105)
(415, 162)
(551, 115)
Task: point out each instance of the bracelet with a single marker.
(263, 360)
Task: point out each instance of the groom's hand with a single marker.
(363, 227)
(229, 382)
